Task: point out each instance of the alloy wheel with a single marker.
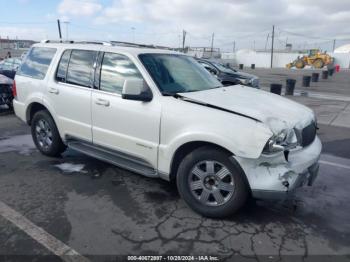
(43, 134)
(211, 183)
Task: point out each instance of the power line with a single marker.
(303, 35)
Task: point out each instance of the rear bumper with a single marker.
(19, 109)
(274, 177)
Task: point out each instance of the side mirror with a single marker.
(136, 89)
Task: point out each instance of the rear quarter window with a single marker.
(37, 62)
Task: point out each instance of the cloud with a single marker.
(231, 20)
(79, 7)
(33, 33)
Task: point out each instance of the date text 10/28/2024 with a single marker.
(173, 258)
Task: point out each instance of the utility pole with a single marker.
(273, 39)
(212, 45)
(333, 45)
(59, 29)
(234, 46)
(183, 40)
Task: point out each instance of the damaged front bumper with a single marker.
(277, 176)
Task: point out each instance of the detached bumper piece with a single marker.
(306, 178)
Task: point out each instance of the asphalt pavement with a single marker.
(76, 208)
(78, 205)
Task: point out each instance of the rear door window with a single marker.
(80, 67)
(37, 62)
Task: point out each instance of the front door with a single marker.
(127, 126)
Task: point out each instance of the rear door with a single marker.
(70, 93)
(126, 126)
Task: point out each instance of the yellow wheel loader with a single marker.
(314, 58)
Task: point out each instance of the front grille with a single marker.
(308, 134)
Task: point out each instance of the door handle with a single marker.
(53, 91)
(102, 102)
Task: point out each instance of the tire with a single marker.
(318, 63)
(299, 64)
(45, 134)
(227, 175)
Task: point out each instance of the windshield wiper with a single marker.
(176, 95)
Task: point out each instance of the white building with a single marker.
(342, 49)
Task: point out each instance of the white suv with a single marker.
(161, 114)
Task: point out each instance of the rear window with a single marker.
(37, 62)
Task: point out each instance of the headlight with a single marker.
(284, 140)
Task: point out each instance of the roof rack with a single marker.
(107, 43)
(128, 44)
(76, 42)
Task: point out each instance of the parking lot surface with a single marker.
(79, 205)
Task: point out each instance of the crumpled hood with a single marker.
(273, 110)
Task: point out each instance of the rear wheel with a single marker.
(211, 183)
(45, 134)
(318, 63)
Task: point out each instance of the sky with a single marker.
(247, 23)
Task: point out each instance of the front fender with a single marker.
(183, 122)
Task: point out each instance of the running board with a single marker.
(120, 159)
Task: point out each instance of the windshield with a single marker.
(178, 73)
(223, 68)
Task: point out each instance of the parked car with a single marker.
(161, 114)
(229, 76)
(23, 55)
(6, 91)
(9, 66)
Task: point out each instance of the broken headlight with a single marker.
(284, 140)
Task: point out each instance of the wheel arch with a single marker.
(188, 147)
(36, 106)
(185, 149)
(32, 109)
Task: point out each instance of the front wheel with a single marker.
(45, 134)
(318, 63)
(211, 183)
(299, 64)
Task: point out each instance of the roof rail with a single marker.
(128, 44)
(94, 42)
(107, 43)
(76, 42)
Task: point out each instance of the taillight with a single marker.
(14, 89)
